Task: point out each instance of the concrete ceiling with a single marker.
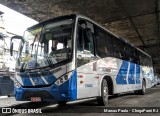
(135, 20)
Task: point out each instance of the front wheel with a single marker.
(103, 99)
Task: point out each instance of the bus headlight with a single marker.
(63, 78)
(17, 75)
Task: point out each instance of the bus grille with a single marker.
(42, 94)
(27, 75)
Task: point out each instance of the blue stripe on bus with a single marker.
(70, 86)
(131, 74)
(120, 79)
(74, 85)
(26, 81)
(121, 76)
(138, 74)
(38, 81)
(50, 78)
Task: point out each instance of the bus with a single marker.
(156, 79)
(72, 57)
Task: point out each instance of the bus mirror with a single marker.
(11, 49)
(17, 37)
(11, 45)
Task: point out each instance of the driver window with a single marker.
(85, 44)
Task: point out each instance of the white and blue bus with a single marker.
(72, 57)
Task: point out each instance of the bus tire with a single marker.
(103, 99)
(143, 90)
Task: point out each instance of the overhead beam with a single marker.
(156, 65)
(156, 58)
(133, 16)
(150, 46)
(157, 16)
(131, 21)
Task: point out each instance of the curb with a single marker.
(7, 96)
(3, 97)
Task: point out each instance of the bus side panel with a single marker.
(87, 80)
(148, 75)
(90, 76)
(137, 77)
(114, 65)
(128, 76)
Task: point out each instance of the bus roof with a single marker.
(53, 19)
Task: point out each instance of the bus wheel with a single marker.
(62, 103)
(103, 99)
(143, 91)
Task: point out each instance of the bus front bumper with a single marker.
(52, 93)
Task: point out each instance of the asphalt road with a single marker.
(124, 101)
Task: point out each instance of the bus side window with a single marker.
(129, 50)
(103, 42)
(137, 57)
(118, 48)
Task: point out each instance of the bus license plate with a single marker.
(35, 99)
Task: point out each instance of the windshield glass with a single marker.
(46, 46)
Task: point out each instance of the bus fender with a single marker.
(109, 82)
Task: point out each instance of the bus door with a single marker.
(87, 79)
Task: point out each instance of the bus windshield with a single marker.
(46, 45)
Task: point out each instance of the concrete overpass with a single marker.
(137, 21)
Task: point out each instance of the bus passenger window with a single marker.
(129, 52)
(103, 43)
(119, 48)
